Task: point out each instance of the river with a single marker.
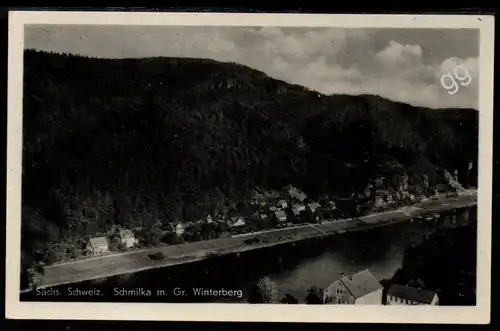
(292, 267)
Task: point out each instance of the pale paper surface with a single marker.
(479, 314)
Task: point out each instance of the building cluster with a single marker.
(286, 207)
(363, 288)
(283, 208)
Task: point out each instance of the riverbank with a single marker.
(445, 262)
(135, 261)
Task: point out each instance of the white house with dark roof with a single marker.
(407, 295)
(236, 221)
(97, 245)
(127, 238)
(361, 288)
(282, 204)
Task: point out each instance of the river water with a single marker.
(292, 267)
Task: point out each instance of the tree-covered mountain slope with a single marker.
(113, 140)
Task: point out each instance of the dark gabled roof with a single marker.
(361, 283)
(411, 293)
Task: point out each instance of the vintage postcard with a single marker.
(249, 167)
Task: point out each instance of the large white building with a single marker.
(127, 238)
(408, 295)
(361, 288)
(97, 246)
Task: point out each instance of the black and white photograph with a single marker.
(307, 162)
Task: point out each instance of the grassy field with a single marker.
(134, 261)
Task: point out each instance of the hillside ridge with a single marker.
(141, 142)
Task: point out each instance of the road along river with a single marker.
(299, 258)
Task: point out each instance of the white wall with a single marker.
(373, 298)
(128, 242)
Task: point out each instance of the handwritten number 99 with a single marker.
(449, 81)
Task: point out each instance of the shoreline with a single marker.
(136, 261)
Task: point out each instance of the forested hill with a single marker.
(169, 138)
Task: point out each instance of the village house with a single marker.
(282, 204)
(389, 198)
(178, 228)
(127, 238)
(313, 206)
(280, 216)
(97, 245)
(361, 288)
(379, 202)
(297, 209)
(237, 221)
(271, 194)
(292, 190)
(408, 295)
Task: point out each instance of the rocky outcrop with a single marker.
(452, 181)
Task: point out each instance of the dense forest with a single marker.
(138, 142)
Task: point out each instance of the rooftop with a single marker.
(98, 241)
(411, 293)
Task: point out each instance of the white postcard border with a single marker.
(479, 314)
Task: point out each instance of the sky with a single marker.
(400, 64)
